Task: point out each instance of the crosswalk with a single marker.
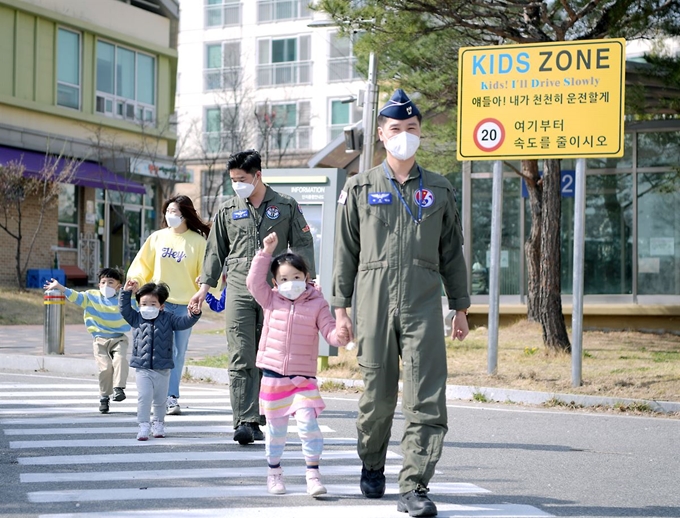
(76, 463)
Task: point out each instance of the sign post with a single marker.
(542, 100)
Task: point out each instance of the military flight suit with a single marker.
(236, 236)
(399, 265)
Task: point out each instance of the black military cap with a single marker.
(399, 107)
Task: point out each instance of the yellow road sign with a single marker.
(541, 100)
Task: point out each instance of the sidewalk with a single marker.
(21, 349)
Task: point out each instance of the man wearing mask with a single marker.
(235, 237)
(399, 236)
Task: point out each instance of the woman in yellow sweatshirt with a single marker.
(174, 255)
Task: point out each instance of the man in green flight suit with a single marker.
(399, 235)
(235, 237)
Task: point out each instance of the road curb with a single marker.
(80, 366)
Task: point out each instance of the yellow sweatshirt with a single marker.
(175, 259)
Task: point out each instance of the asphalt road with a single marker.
(60, 458)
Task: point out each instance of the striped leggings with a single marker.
(308, 430)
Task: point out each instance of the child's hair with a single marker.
(160, 291)
(295, 260)
(110, 273)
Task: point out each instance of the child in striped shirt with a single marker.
(107, 326)
(294, 314)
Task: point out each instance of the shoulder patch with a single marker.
(342, 199)
(273, 212)
(423, 197)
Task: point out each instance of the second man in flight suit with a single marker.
(235, 237)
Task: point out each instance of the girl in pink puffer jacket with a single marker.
(294, 314)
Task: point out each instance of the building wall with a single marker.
(28, 83)
(42, 255)
(30, 118)
(193, 99)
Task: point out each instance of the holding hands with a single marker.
(131, 285)
(269, 243)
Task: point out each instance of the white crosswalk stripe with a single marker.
(313, 511)
(69, 454)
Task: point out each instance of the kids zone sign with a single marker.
(541, 100)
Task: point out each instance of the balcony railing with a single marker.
(224, 15)
(342, 69)
(221, 78)
(272, 10)
(288, 73)
(288, 139)
(222, 143)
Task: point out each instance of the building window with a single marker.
(284, 126)
(222, 135)
(342, 61)
(275, 10)
(68, 69)
(511, 248)
(658, 233)
(126, 83)
(67, 227)
(223, 66)
(222, 13)
(284, 61)
(342, 114)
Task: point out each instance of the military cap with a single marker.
(399, 107)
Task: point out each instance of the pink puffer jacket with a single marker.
(289, 344)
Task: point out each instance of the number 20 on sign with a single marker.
(543, 100)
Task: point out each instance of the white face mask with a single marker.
(403, 145)
(173, 220)
(149, 312)
(292, 289)
(243, 189)
(107, 291)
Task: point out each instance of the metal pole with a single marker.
(369, 114)
(579, 258)
(53, 339)
(495, 266)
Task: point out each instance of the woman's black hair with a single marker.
(295, 260)
(186, 208)
(160, 291)
(110, 273)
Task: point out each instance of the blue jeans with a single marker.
(179, 349)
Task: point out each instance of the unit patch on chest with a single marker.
(379, 198)
(240, 214)
(424, 198)
(273, 212)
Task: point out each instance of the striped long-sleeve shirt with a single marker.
(101, 315)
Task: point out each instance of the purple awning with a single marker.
(87, 174)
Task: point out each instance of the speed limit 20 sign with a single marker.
(553, 100)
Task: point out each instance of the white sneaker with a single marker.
(314, 485)
(158, 429)
(275, 481)
(172, 406)
(143, 433)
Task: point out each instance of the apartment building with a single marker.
(254, 74)
(90, 83)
